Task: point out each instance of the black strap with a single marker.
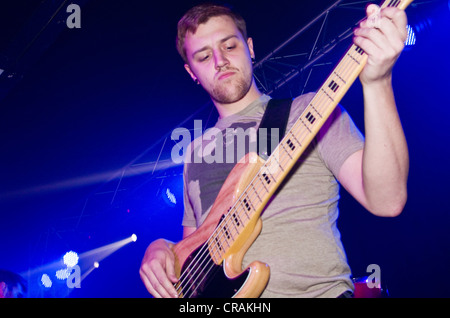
(275, 116)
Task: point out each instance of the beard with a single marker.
(231, 91)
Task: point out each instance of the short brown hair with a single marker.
(201, 14)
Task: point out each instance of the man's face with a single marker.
(220, 59)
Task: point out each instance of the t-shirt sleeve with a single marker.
(338, 139)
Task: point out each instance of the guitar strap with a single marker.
(276, 115)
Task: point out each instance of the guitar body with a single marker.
(224, 277)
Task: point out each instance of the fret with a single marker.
(339, 77)
(227, 232)
(354, 59)
(224, 240)
(256, 192)
(247, 204)
(299, 132)
(217, 243)
(290, 144)
(293, 139)
(305, 124)
(333, 86)
(326, 94)
(358, 54)
(236, 219)
(234, 225)
(268, 175)
(263, 182)
(343, 68)
(359, 50)
(266, 178)
(310, 117)
(278, 162)
(285, 158)
(286, 151)
(317, 112)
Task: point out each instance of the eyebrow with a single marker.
(206, 47)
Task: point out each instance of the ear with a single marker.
(250, 47)
(188, 69)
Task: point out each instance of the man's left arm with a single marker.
(377, 175)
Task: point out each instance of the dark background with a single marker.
(85, 114)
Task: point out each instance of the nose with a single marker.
(220, 60)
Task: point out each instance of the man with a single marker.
(12, 285)
(299, 239)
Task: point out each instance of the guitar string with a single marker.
(229, 214)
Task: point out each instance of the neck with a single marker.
(226, 110)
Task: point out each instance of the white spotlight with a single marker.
(134, 237)
(62, 273)
(71, 259)
(96, 264)
(46, 281)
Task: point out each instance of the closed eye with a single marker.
(202, 59)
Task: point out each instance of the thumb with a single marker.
(372, 9)
(170, 270)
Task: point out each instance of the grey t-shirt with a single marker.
(299, 238)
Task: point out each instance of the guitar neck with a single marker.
(253, 199)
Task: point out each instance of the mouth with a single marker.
(225, 75)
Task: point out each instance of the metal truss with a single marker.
(310, 49)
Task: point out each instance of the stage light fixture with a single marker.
(96, 264)
(411, 39)
(71, 259)
(62, 274)
(134, 237)
(171, 197)
(46, 281)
